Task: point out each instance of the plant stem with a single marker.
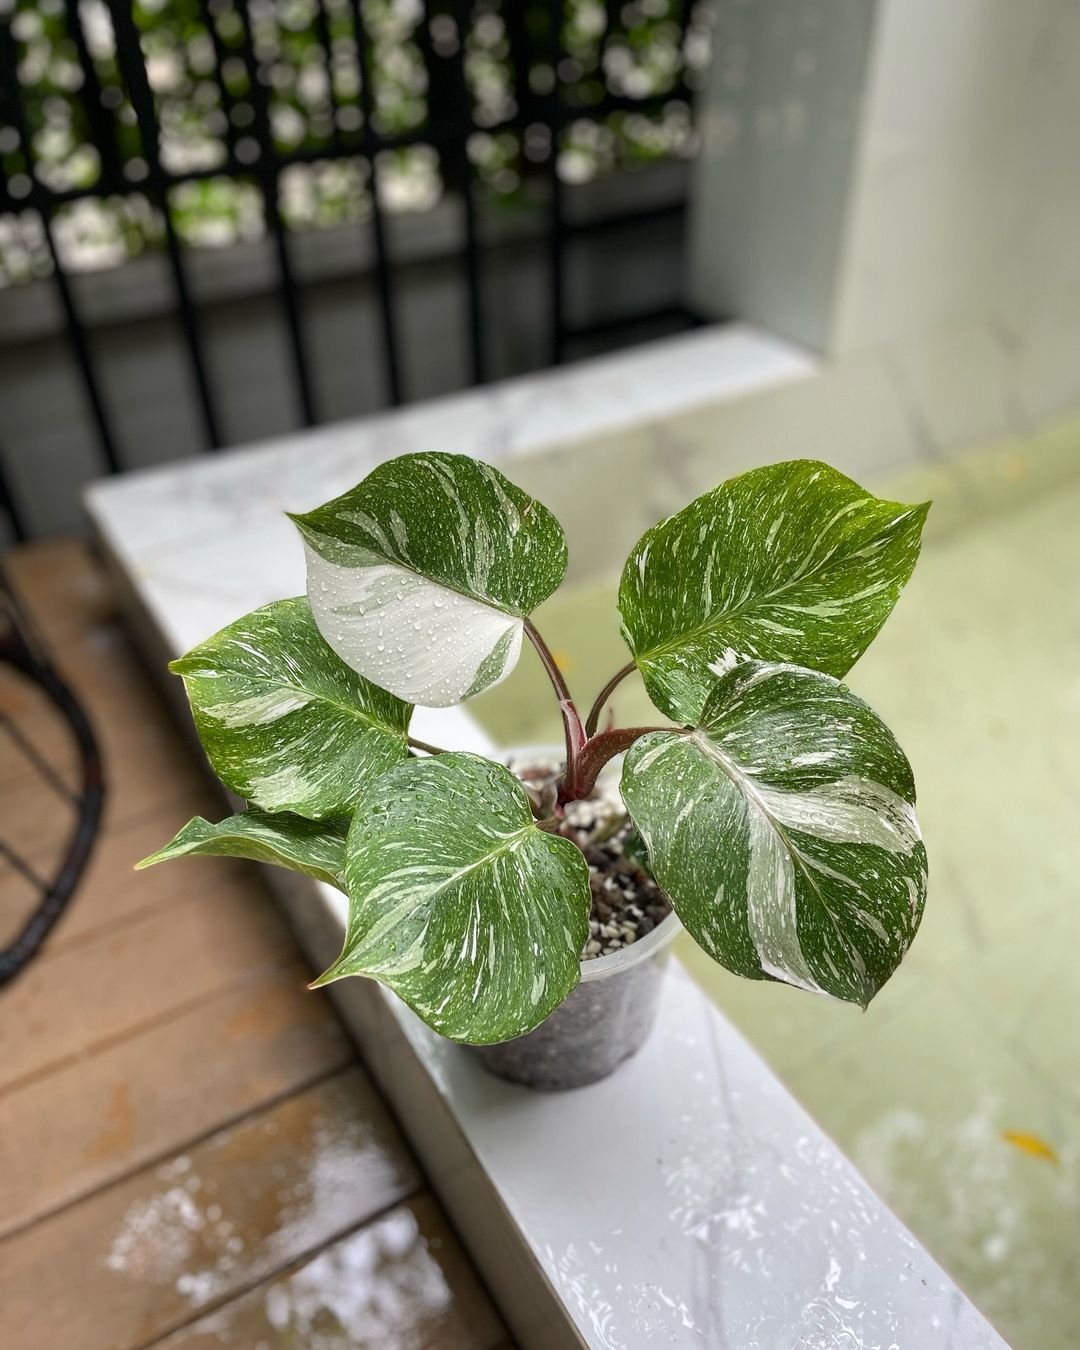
(600, 748)
(573, 731)
(603, 696)
(423, 745)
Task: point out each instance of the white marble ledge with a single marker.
(153, 513)
(690, 1201)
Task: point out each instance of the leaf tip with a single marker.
(328, 976)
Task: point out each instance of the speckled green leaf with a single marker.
(459, 903)
(285, 723)
(783, 828)
(316, 847)
(790, 563)
(421, 577)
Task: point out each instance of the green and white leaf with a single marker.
(285, 723)
(316, 847)
(459, 903)
(783, 829)
(789, 563)
(422, 576)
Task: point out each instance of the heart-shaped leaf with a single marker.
(790, 563)
(285, 723)
(460, 903)
(316, 847)
(421, 577)
(783, 828)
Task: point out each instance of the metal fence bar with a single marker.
(131, 64)
(267, 173)
(322, 32)
(100, 121)
(471, 252)
(8, 503)
(80, 348)
(225, 94)
(382, 261)
(76, 332)
(557, 339)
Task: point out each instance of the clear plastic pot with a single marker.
(605, 1020)
(610, 1014)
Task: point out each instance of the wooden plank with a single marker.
(111, 892)
(134, 1262)
(61, 584)
(147, 764)
(401, 1280)
(24, 704)
(94, 1121)
(82, 996)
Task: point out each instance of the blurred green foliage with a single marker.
(306, 57)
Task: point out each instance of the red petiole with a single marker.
(587, 750)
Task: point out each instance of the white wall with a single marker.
(881, 170)
(965, 196)
(780, 120)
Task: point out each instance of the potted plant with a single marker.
(768, 810)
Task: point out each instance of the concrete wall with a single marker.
(46, 438)
(875, 170)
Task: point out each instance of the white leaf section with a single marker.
(285, 723)
(259, 709)
(421, 641)
(421, 577)
(784, 830)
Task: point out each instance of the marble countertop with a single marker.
(688, 1200)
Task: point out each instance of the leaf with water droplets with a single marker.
(792, 562)
(421, 577)
(316, 848)
(459, 903)
(783, 828)
(285, 723)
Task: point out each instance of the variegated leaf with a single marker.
(783, 828)
(421, 577)
(316, 847)
(793, 562)
(284, 722)
(460, 903)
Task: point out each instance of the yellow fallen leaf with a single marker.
(1031, 1144)
(1016, 467)
(563, 661)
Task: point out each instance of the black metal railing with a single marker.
(554, 78)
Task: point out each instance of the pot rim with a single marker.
(665, 932)
(603, 967)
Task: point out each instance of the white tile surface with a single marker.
(689, 1201)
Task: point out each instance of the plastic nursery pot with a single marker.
(605, 1020)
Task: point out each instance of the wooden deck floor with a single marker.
(190, 1153)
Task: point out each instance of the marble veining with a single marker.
(723, 1218)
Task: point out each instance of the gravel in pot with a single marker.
(610, 1014)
